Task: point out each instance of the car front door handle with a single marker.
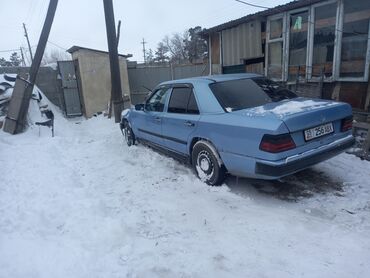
(157, 119)
(188, 123)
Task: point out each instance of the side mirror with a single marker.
(139, 107)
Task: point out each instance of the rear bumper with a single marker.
(292, 164)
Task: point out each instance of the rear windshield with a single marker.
(246, 93)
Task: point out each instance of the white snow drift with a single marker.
(82, 204)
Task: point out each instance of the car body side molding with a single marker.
(164, 137)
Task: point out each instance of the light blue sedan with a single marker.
(241, 124)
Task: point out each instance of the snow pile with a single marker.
(38, 103)
(289, 107)
(6, 90)
(82, 204)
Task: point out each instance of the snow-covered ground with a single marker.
(82, 204)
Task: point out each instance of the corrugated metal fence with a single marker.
(46, 80)
(142, 77)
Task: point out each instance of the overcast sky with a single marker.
(81, 22)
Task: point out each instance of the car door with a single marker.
(149, 121)
(181, 119)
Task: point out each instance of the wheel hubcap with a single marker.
(205, 163)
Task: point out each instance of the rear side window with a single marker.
(247, 93)
(192, 105)
(182, 101)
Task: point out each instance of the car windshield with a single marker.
(247, 93)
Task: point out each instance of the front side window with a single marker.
(354, 38)
(247, 93)
(157, 100)
(183, 101)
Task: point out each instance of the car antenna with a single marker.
(147, 89)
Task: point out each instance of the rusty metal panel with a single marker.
(241, 42)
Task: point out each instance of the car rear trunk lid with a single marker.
(302, 113)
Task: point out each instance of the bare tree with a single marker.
(176, 46)
(161, 54)
(182, 48)
(53, 56)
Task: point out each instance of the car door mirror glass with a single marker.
(139, 107)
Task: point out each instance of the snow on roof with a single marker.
(76, 48)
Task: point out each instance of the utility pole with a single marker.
(28, 41)
(116, 91)
(111, 101)
(16, 119)
(144, 52)
(23, 61)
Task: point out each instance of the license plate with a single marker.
(318, 131)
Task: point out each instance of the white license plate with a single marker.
(318, 131)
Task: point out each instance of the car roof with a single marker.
(213, 78)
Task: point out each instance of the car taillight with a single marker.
(346, 124)
(277, 143)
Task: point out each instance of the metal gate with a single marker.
(72, 102)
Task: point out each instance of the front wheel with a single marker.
(128, 134)
(207, 163)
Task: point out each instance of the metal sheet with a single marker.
(241, 42)
(71, 94)
(150, 77)
(72, 102)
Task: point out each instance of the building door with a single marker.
(71, 95)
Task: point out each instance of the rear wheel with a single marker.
(128, 134)
(207, 164)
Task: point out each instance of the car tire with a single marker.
(207, 163)
(128, 134)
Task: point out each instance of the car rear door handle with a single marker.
(157, 119)
(188, 123)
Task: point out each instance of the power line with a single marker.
(252, 5)
(53, 43)
(9, 50)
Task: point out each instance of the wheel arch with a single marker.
(209, 144)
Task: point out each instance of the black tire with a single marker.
(207, 163)
(128, 134)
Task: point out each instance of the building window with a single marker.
(275, 46)
(323, 40)
(328, 37)
(276, 29)
(354, 43)
(298, 31)
(275, 58)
